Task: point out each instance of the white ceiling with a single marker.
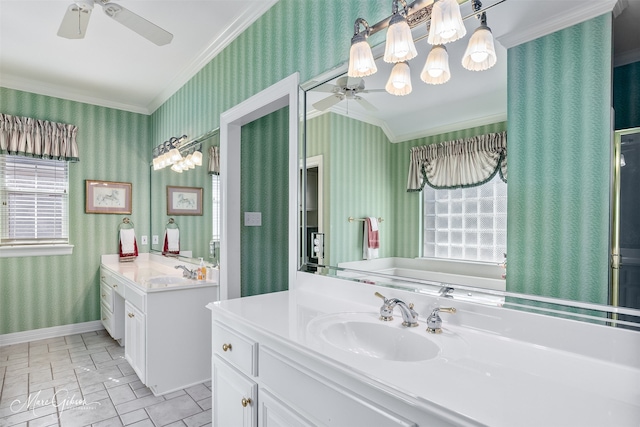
(115, 67)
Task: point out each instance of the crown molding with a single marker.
(557, 22)
(451, 127)
(216, 46)
(627, 58)
(63, 92)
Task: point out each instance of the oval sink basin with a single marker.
(364, 334)
(162, 281)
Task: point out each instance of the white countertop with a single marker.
(147, 266)
(493, 379)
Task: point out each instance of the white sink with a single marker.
(164, 281)
(366, 335)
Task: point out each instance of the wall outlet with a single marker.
(253, 219)
(143, 240)
(155, 240)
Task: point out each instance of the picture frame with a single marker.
(184, 200)
(107, 197)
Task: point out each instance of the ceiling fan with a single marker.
(75, 21)
(345, 88)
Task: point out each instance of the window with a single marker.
(35, 204)
(467, 223)
(214, 245)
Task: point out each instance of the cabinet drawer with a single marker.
(107, 318)
(110, 279)
(106, 296)
(235, 348)
(136, 298)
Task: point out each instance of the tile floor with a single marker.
(84, 380)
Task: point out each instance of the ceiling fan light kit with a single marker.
(76, 19)
(445, 26)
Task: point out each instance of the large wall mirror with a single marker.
(357, 148)
(185, 201)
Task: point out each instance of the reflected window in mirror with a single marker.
(214, 245)
(466, 223)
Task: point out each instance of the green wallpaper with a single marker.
(559, 101)
(265, 189)
(366, 175)
(626, 95)
(39, 292)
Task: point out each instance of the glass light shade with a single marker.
(174, 155)
(188, 162)
(176, 168)
(623, 163)
(481, 53)
(399, 46)
(197, 158)
(361, 62)
(436, 69)
(399, 82)
(156, 163)
(446, 23)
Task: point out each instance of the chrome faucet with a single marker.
(191, 274)
(409, 315)
(434, 322)
(446, 291)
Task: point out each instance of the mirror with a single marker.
(195, 228)
(361, 136)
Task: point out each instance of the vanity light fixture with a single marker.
(445, 26)
(436, 69)
(481, 53)
(399, 82)
(446, 22)
(399, 46)
(361, 61)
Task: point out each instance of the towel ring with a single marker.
(351, 219)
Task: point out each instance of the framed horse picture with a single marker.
(107, 197)
(184, 200)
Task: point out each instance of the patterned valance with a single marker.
(26, 136)
(459, 163)
(214, 161)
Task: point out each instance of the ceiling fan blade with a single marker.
(74, 23)
(372, 90)
(327, 102)
(366, 104)
(327, 87)
(146, 29)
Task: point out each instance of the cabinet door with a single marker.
(135, 340)
(234, 397)
(275, 413)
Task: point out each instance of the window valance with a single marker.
(30, 137)
(214, 160)
(459, 163)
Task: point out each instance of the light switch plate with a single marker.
(143, 240)
(253, 219)
(155, 240)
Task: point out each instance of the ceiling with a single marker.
(475, 98)
(115, 67)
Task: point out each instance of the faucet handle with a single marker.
(379, 295)
(386, 311)
(434, 322)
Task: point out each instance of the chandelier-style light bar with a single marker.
(445, 26)
(170, 153)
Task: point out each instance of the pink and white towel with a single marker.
(171, 241)
(128, 245)
(370, 238)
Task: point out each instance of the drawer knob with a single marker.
(226, 347)
(245, 402)
(115, 286)
(131, 315)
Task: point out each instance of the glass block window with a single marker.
(466, 223)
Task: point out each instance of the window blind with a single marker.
(35, 201)
(215, 192)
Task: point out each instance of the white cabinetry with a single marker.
(166, 332)
(135, 340)
(279, 390)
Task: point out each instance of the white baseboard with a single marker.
(53, 332)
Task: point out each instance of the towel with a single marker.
(128, 245)
(370, 239)
(171, 241)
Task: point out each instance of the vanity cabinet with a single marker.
(166, 331)
(255, 383)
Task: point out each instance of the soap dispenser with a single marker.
(202, 270)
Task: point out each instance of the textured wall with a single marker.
(559, 100)
(39, 292)
(265, 189)
(626, 95)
